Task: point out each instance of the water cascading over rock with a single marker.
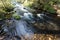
(23, 29)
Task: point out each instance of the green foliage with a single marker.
(49, 8)
(6, 10)
(9, 8)
(2, 12)
(46, 5)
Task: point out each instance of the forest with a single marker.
(29, 19)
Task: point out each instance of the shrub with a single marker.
(6, 11)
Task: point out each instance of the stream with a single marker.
(23, 29)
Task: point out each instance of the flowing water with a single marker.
(23, 29)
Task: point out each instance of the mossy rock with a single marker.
(17, 17)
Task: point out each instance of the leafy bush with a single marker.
(6, 11)
(9, 7)
(49, 9)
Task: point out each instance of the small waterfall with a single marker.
(23, 29)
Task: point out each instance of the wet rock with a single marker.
(1, 22)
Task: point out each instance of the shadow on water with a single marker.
(48, 20)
